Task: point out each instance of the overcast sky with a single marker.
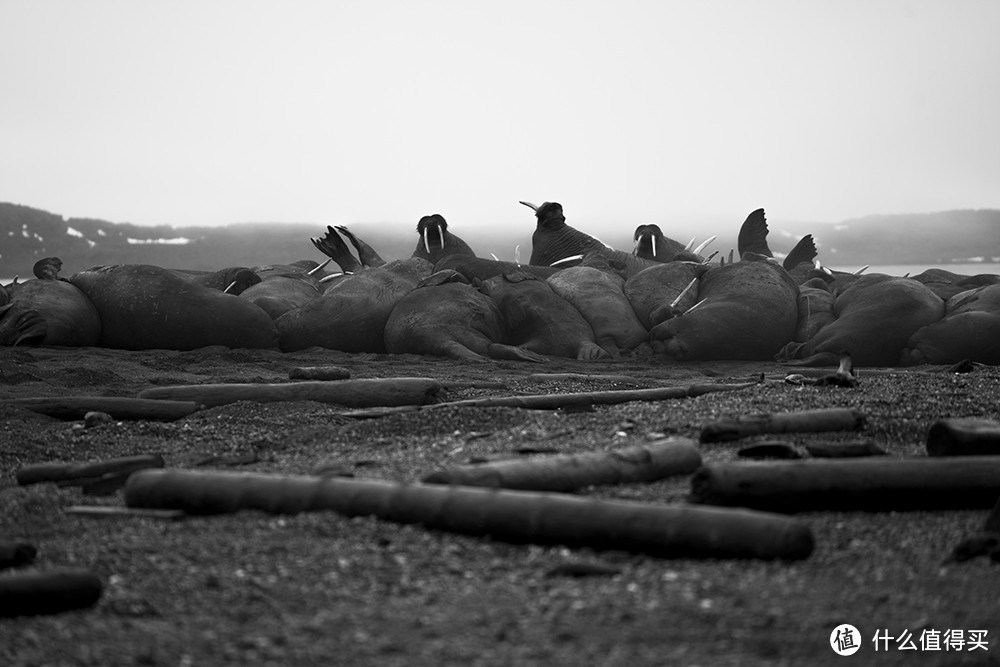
(334, 111)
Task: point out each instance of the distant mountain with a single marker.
(29, 234)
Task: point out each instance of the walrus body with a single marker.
(654, 291)
(47, 312)
(746, 310)
(969, 330)
(541, 321)
(351, 315)
(147, 307)
(875, 317)
(600, 298)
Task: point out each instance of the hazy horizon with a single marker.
(674, 113)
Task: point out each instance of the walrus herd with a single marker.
(576, 298)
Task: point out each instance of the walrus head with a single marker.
(549, 214)
(432, 225)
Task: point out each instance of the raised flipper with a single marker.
(804, 251)
(334, 247)
(366, 253)
(753, 235)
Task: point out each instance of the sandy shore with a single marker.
(319, 588)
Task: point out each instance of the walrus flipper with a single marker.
(30, 328)
(804, 251)
(512, 353)
(366, 253)
(334, 247)
(753, 235)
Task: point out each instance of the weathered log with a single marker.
(319, 373)
(561, 401)
(644, 463)
(511, 516)
(964, 437)
(112, 512)
(14, 554)
(844, 450)
(830, 419)
(349, 393)
(49, 592)
(123, 408)
(84, 472)
(873, 484)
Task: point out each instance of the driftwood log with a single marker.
(830, 419)
(964, 437)
(122, 408)
(49, 592)
(63, 472)
(510, 516)
(562, 401)
(871, 484)
(358, 393)
(644, 463)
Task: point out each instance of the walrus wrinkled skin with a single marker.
(600, 298)
(875, 316)
(146, 307)
(746, 311)
(541, 321)
(47, 312)
(947, 284)
(969, 330)
(482, 268)
(351, 314)
(447, 317)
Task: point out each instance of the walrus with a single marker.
(651, 243)
(947, 284)
(47, 311)
(445, 316)
(746, 310)
(875, 316)
(600, 298)
(148, 307)
(350, 316)
(482, 268)
(660, 291)
(815, 309)
(540, 320)
(969, 330)
(436, 241)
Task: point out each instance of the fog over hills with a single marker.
(28, 234)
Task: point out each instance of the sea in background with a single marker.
(970, 269)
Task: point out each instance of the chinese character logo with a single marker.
(845, 639)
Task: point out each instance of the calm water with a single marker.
(971, 269)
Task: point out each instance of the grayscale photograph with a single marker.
(499, 334)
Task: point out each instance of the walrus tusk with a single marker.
(683, 293)
(495, 258)
(517, 254)
(710, 257)
(654, 246)
(427, 244)
(320, 267)
(704, 244)
(326, 279)
(230, 287)
(690, 243)
(529, 205)
(573, 258)
(440, 235)
(694, 306)
(862, 269)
